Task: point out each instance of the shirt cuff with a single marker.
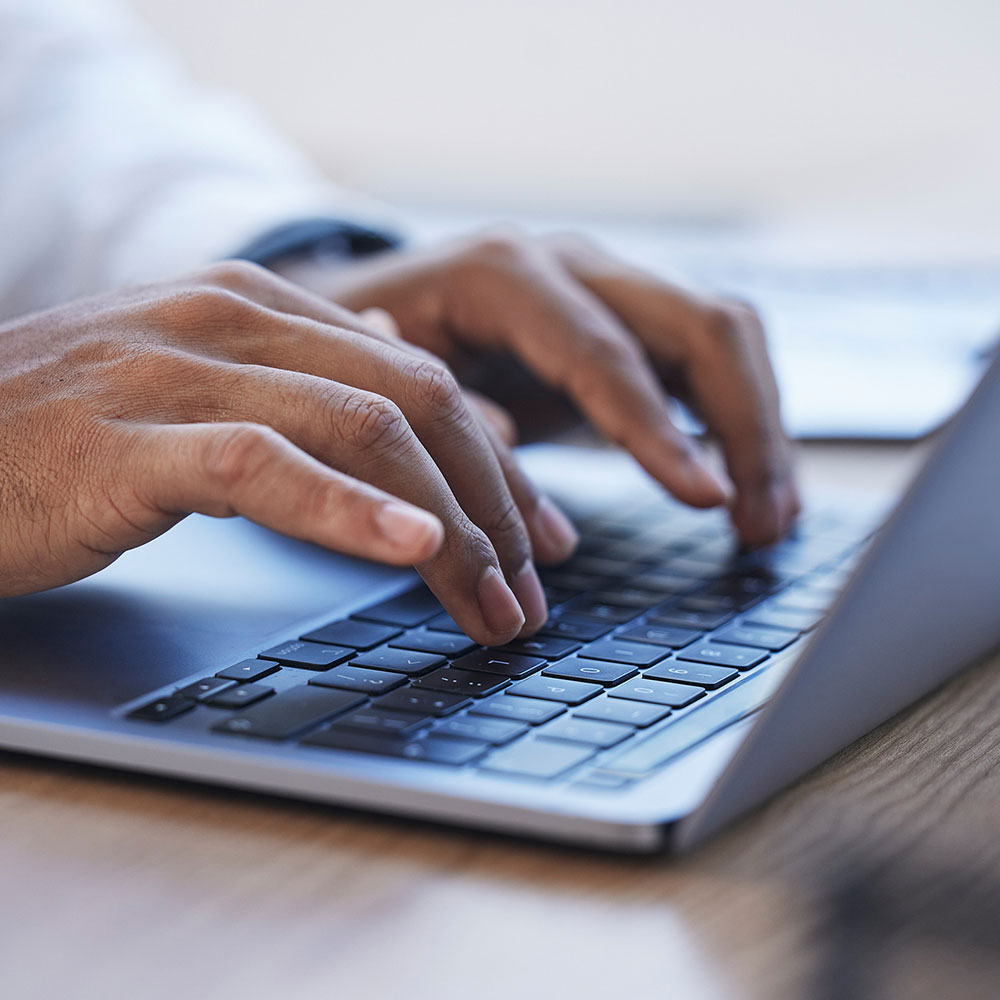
(317, 240)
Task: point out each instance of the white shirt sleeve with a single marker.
(115, 168)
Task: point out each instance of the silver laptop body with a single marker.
(922, 603)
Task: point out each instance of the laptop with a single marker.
(678, 683)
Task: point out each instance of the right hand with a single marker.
(235, 392)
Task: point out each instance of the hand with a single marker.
(614, 339)
(235, 392)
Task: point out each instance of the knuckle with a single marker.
(502, 247)
(730, 323)
(600, 353)
(574, 243)
(211, 303)
(370, 422)
(433, 389)
(505, 519)
(235, 274)
(479, 545)
(234, 455)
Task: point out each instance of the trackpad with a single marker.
(198, 598)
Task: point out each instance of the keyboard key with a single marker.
(384, 722)
(307, 654)
(631, 713)
(290, 712)
(445, 623)
(248, 670)
(596, 781)
(467, 683)
(492, 661)
(657, 692)
(442, 643)
(424, 702)
(555, 596)
(658, 748)
(623, 651)
(715, 604)
(723, 654)
(542, 759)
(409, 609)
(804, 598)
(628, 597)
(598, 734)
(696, 567)
(581, 629)
(662, 583)
(529, 710)
(691, 673)
(773, 639)
(429, 749)
(590, 607)
(572, 583)
(704, 621)
(601, 567)
(595, 671)
(163, 708)
(475, 727)
(403, 661)
(351, 678)
(772, 617)
(357, 635)
(547, 647)
(238, 697)
(660, 635)
(205, 688)
(552, 689)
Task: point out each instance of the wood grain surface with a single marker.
(876, 876)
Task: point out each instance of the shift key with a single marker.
(290, 712)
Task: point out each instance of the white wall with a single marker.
(766, 108)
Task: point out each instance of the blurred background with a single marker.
(835, 162)
(879, 111)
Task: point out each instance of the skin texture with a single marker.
(612, 338)
(236, 392)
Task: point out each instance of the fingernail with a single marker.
(409, 527)
(552, 524)
(723, 484)
(497, 603)
(714, 484)
(531, 597)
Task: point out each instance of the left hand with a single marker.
(614, 339)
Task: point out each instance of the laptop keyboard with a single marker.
(661, 633)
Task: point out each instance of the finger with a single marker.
(368, 437)
(721, 352)
(380, 321)
(553, 536)
(434, 407)
(733, 385)
(571, 340)
(494, 416)
(248, 469)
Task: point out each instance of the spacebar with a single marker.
(699, 725)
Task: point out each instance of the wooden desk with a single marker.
(878, 875)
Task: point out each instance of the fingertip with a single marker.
(381, 321)
(499, 607)
(531, 596)
(417, 534)
(552, 533)
(706, 487)
(764, 516)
